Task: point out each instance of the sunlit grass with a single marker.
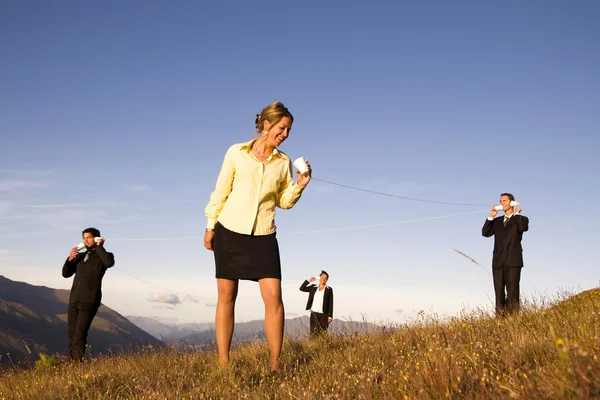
(548, 351)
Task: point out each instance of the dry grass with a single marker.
(548, 351)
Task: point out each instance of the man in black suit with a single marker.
(508, 253)
(86, 293)
(320, 303)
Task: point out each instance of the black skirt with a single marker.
(246, 257)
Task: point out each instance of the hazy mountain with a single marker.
(294, 328)
(33, 319)
(168, 330)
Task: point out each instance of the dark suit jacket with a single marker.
(87, 284)
(327, 297)
(507, 240)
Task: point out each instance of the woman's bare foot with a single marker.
(223, 362)
(275, 365)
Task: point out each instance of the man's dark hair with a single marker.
(510, 196)
(326, 274)
(95, 232)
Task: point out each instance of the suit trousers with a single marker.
(506, 287)
(80, 319)
(318, 323)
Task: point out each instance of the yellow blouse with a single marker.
(248, 190)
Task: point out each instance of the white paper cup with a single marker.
(514, 203)
(498, 207)
(80, 246)
(97, 239)
(300, 163)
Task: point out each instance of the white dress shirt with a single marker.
(317, 304)
(506, 217)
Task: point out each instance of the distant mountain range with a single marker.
(33, 319)
(168, 331)
(202, 333)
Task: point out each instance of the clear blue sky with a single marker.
(118, 114)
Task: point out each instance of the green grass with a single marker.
(548, 351)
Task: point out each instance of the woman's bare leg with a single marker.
(225, 317)
(270, 290)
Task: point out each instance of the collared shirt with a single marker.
(317, 305)
(506, 217)
(247, 191)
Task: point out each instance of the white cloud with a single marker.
(6, 254)
(323, 188)
(66, 219)
(56, 205)
(167, 298)
(191, 299)
(6, 206)
(47, 221)
(13, 185)
(136, 187)
(125, 220)
(165, 320)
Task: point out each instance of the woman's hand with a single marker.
(304, 178)
(208, 240)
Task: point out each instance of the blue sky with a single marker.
(118, 115)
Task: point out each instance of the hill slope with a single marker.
(540, 353)
(33, 320)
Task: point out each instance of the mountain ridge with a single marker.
(34, 320)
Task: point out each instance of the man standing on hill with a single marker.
(86, 293)
(320, 303)
(508, 253)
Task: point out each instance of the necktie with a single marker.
(87, 255)
(506, 220)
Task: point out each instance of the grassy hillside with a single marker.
(546, 352)
(33, 319)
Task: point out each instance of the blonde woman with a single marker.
(255, 178)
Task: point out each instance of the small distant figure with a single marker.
(320, 303)
(89, 268)
(508, 253)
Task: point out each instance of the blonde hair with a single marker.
(273, 113)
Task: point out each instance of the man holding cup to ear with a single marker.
(508, 253)
(89, 268)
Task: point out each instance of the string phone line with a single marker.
(321, 230)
